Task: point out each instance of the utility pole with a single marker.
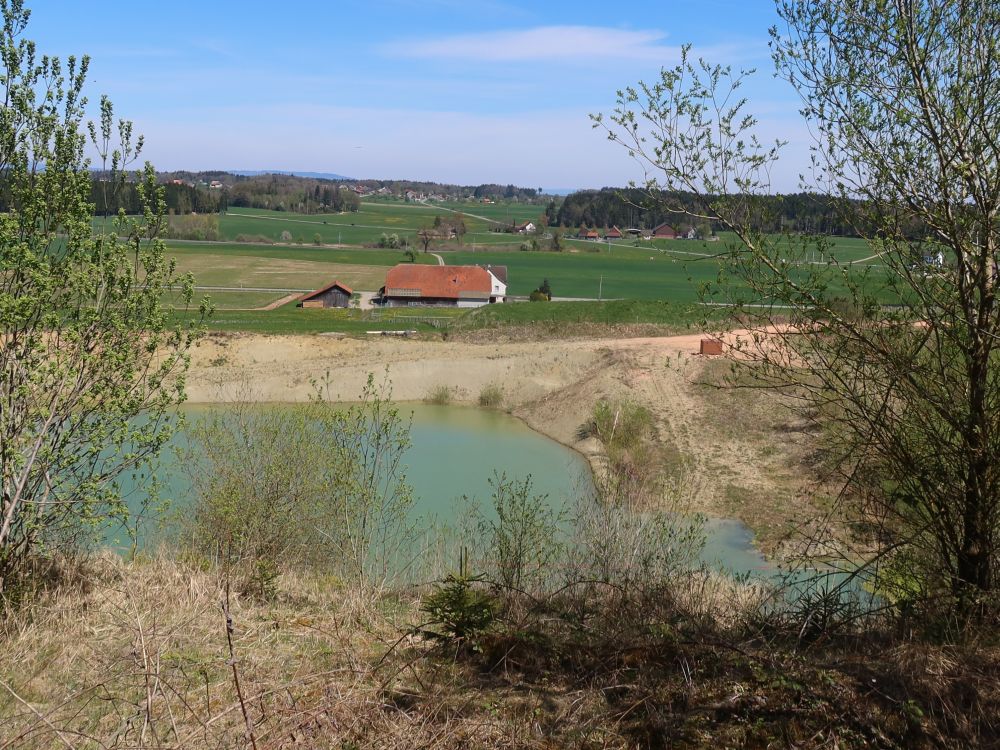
(600, 288)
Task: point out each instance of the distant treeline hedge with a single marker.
(180, 199)
(302, 195)
(637, 208)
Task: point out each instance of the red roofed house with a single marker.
(332, 295)
(664, 232)
(613, 234)
(588, 234)
(412, 285)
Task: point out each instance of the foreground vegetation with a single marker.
(138, 654)
(276, 619)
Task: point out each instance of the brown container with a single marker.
(710, 347)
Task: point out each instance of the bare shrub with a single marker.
(318, 485)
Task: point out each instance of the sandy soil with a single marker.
(748, 467)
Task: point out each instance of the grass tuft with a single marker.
(440, 395)
(492, 396)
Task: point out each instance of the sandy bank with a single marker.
(732, 455)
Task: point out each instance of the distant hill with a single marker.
(292, 173)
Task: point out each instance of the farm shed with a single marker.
(332, 295)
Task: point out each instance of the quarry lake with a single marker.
(454, 453)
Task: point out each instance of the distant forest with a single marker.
(637, 208)
(215, 192)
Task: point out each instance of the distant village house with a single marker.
(527, 227)
(613, 234)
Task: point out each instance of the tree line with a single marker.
(808, 213)
(178, 199)
(279, 192)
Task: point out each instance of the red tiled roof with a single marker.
(439, 282)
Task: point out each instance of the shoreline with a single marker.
(728, 455)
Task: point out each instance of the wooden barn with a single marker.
(332, 295)
(664, 232)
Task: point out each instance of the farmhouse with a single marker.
(332, 295)
(613, 234)
(664, 232)
(526, 227)
(410, 285)
(588, 234)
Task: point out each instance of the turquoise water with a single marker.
(454, 453)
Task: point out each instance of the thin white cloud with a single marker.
(542, 43)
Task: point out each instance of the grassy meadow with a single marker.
(662, 271)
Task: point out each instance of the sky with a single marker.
(457, 91)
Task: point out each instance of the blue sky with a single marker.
(448, 90)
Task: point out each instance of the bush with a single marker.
(491, 397)
(390, 241)
(440, 395)
(310, 485)
(203, 227)
(522, 543)
(286, 236)
(256, 238)
(543, 293)
(621, 425)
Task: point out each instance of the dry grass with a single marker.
(136, 655)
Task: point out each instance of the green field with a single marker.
(224, 300)
(675, 316)
(279, 267)
(543, 315)
(660, 271)
(291, 319)
(665, 270)
(366, 226)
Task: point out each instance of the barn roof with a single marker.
(327, 288)
(440, 282)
